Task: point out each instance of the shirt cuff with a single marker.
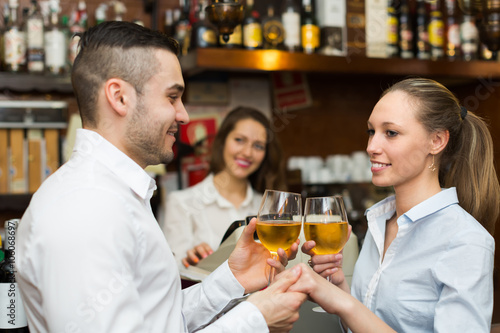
(223, 282)
(245, 317)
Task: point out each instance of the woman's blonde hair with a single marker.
(467, 161)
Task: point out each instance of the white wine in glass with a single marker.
(279, 221)
(325, 222)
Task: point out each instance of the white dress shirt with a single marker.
(437, 274)
(200, 214)
(92, 258)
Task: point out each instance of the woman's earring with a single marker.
(432, 166)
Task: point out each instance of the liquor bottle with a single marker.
(203, 33)
(12, 314)
(469, 38)
(332, 22)
(422, 32)
(290, 17)
(252, 28)
(82, 14)
(100, 13)
(436, 31)
(405, 31)
(34, 30)
(183, 27)
(67, 36)
(56, 49)
(452, 30)
(309, 28)
(119, 9)
(14, 42)
(78, 24)
(273, 31)
(392, 29)
(168, 26)
(235, 40)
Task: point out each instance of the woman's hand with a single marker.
(334, 300)
(325, 265)
(318, 289)
(328, 264)
(197, 253)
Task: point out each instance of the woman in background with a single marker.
(426, 264)
(246, 159)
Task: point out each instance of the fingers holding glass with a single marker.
(279, 222)
(325, 223)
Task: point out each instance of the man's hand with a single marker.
(197, 253)
(251, 262)
(279, 306)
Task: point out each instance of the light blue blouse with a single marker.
(437, 274)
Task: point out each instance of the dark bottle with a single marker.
(12, 314)
(422, 35)
(203, 33)
(393, 29)
(273, 31)
(309, 28)
(436, 31)
(405, 31)
(183, 27)
(452, 30)
(168, 27)
(252, 28)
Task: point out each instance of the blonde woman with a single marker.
(426, 264)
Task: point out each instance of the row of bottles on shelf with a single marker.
(434, 30)
(422, 29)
(287, 29)
(38, 43)
(41, 40)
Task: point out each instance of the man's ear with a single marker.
(439, 141)
(118, 95)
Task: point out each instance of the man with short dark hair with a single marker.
(90, 254)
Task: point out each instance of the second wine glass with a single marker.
(325, 222)
(279, 221)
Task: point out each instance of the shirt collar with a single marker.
(387, 207)
(437, 202)
(209, 187)
(88, 142)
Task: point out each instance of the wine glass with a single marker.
(279, 221)
(325, 222)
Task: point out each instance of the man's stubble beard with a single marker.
(143, 138)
